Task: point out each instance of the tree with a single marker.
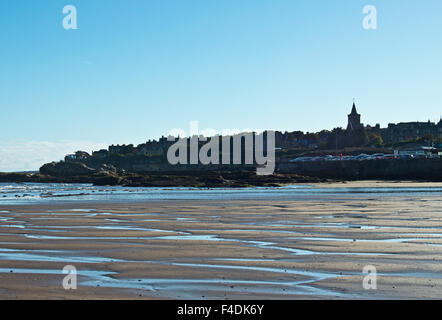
(426, 138)
(375, 140)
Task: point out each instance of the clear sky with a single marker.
(136, 69)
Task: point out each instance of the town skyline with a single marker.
(391, 134)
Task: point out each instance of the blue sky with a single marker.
(136, 69)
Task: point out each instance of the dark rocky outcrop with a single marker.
(286, 173)
(108, 175)
(66, 169)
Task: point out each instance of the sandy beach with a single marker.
(239, 249)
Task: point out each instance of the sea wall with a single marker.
(415, 169)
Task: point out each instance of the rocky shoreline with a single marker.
(429, 170)
(225, 179)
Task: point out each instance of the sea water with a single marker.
(23, 193)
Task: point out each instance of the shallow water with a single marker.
(22, 193)
(192, 288)
(38, 255)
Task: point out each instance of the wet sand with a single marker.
(303, 249)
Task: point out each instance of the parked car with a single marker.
(331, 158)
(378, 156)
(406, 156)
(362, 157)
(301, 159)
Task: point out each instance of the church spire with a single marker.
(353, 109)
(354, 119)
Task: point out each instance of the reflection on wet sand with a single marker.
(234, 250)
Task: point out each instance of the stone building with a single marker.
(123, 149)
(150, 149)
(405, 131)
